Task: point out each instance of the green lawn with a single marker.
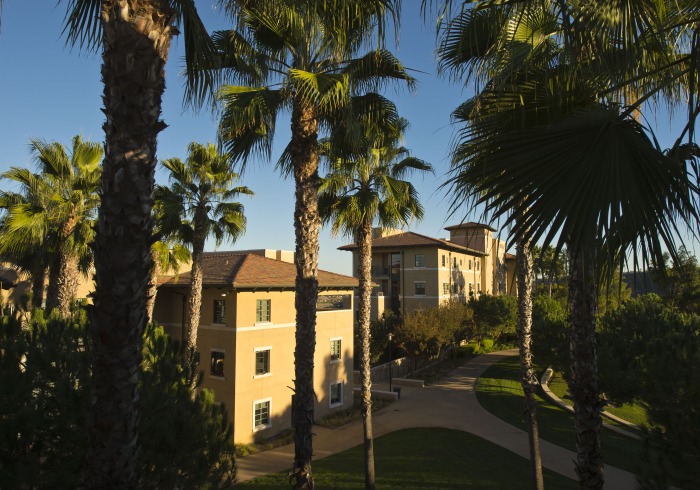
(630, 412)
(425, 459)
(500, 393)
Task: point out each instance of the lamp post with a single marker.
(391, 360)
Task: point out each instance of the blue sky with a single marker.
(50, 91)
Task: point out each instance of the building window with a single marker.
(445, 288)
(478, 265)
(443, 260)
(217, 363)
(455, 288)
(455, 262)
(335, 349)
(460, 262)
(336, 394)
(261, 414)
(219, 311)
(470, 264)
(420, 260)
(420, 288)
(478, 287)
(262, 310)
(262, 361)
(471, 288)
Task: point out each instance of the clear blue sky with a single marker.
(50, 91)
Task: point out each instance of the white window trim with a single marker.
(255, 351)
(268, 322)
(268, 425)
(223, 351)
(414, 288)
(342, 393)
(340, 359)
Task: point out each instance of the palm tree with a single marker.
(54, 213)
(135, 39)
(166, 256)
(197, 205)
(301, 55)
(358, 191)
(538, 146)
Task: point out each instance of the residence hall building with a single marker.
(246, 337)
(415, 271)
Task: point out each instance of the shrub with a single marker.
(44, 389)
(493, 315)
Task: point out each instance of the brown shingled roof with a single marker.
(411, 239)
(248, 270)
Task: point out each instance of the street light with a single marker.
(391, 360)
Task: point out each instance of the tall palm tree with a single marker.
(54, 212)
(547, 142)
(198, 204)
(473, 45)
(358, 191)
(134, 38)
(303, 56)
(166, 256)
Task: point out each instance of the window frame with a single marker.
(259, 318)
(339, 357)
(443, 260)
(445, 288)
(259, 427)
(257, 350)
(338, 403)
(212, 351)
(415, 288)
(223, 312)
(419, 263)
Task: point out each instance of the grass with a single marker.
(424, 459)
(499, 392)
(630, 412)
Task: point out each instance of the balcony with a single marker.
(378, 271)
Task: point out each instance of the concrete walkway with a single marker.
(451, 403)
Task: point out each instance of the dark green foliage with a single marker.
(43, 402)
(44, 368)
(650, 352)
(379, 340)
(494, 316)
(550, 332)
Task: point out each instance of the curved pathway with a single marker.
(450, 403)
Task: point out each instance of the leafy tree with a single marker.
(493, 315)
(303, 56)
(550, 325)
(199, 204)
(679, 283)
(134, 38)
(357, 192)
(44, 400)
(650, 353)
(379, 338)
(53, 215)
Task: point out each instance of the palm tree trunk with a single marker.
(584, 370)
(307, 223)
(364, 244)
(528, 380)
(194, 299)
(38, 283)
(67, 282)
(52, 288)
(136, 39)
(152, 288)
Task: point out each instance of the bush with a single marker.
(550, 333)
(44, 389)
(493, 316)
(650, 353)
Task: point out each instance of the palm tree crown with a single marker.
(54, 212)
(199, 204)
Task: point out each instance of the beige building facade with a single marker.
(246, 338)
(414, 271)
